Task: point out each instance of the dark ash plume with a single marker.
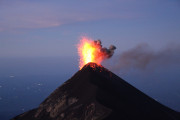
(142, 55)
(106, 52)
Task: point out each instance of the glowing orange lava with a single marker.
(89, 52)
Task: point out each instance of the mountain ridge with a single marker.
(95, 93)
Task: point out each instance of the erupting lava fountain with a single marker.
(92, 51)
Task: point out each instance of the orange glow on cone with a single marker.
(89, 52)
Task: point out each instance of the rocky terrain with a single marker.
(94, 93)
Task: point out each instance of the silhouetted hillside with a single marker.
(94, 93)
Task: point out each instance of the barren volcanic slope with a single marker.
(95, 93)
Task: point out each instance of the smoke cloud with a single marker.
(142, 56)
(106, 52)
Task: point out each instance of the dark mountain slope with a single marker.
(94, 93)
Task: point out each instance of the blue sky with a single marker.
(31, 28)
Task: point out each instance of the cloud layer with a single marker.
(23, 14)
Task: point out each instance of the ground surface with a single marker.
(94, 93)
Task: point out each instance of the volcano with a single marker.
(95, 93)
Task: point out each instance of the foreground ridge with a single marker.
(95, 93)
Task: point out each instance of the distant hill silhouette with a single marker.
(94, 93)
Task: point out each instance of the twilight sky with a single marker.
(31, 28)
